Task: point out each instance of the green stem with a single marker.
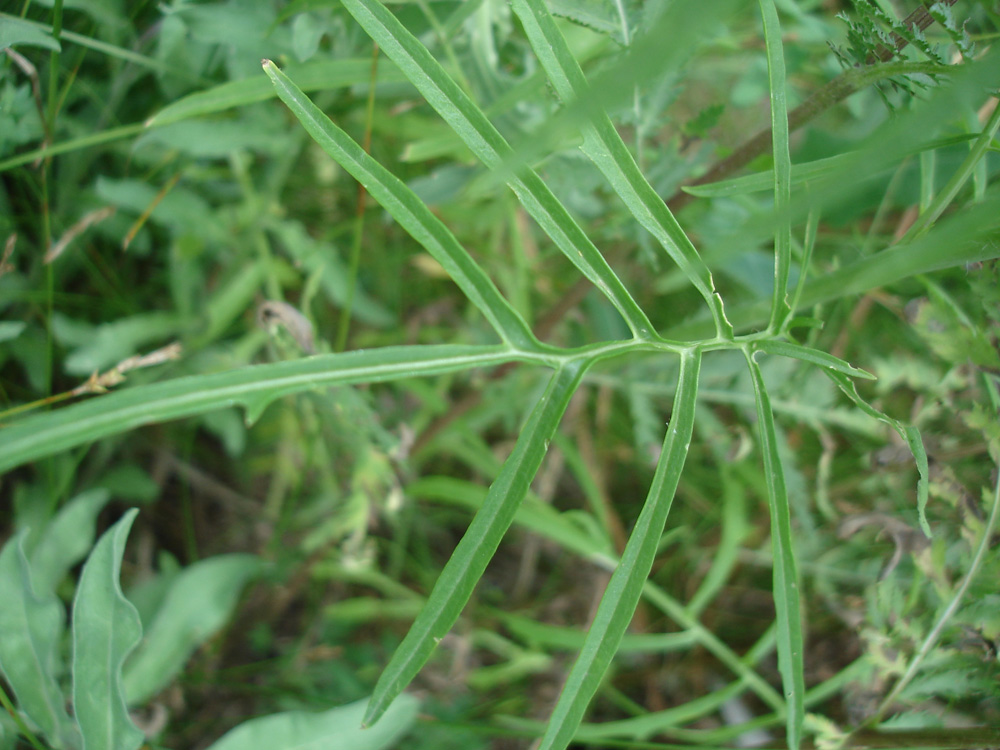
(6, 702)
(835, 91)
(944, 198)
(344, 324)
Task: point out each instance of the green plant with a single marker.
(765, 324)
(114, 664)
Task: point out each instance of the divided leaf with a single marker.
(603, 145)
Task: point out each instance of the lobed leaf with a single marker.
(786, 587)
(407, 209)
(470, 558)
(106, 628)
(625, 587)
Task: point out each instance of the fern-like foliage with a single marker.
(874, 36)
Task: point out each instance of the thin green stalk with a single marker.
(113, 51)
(780, 309)
(968, 167)
(808, 243)
(931, 640)
(358, 233)
(22, 728)
(53, 91)
(679, 614)
(75, 144)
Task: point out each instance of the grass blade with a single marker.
(106, 628)
(473, 553)
(780, 309)
(252, 387)
(406, 208)
(485, 141)
(786, 587)
(314, 75)
(947, 194)
(605, 148)
(625, 587)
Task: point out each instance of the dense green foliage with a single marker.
(478, 351)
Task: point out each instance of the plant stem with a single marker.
(344, 323)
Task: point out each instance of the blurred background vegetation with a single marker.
(159, 194)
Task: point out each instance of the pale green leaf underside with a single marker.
(106, 628)
(66, 539)
(31, 626)
(201, 599)
(337, 728)
(780, 307)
